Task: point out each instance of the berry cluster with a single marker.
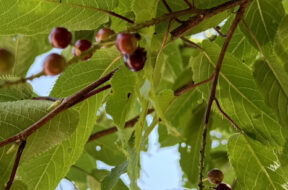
(216, 177)
(61, 38)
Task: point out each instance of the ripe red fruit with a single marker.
(80, 46)
(215, 176)
(103, 34)
(136, 61)
(60, 37)
(6, 60)
(126, 43)
(223, 186)
(54, 64)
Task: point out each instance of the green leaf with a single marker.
(25, 50)
(111, 179)
(281, 40)
(15, 92)
(105, 148)
(273, 82)
(239, 96)
(18, 115)
(257, 166)
(59, 159)
(123, 85)
(206, 4)
(28, 16)
(263, 18)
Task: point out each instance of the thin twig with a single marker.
(217, 29)
(22, 80)
(192, 85)
(204, 15)
(114, 129)
(213, 89)
(64, 105)
(94, 9)
(227, 116)
(165, 36)
(16, 164)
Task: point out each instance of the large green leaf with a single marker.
(59, 159)
(257, 166)
(273, 82)
(15, 92)
(281, 40)
(40, 16)
(25, 50)
(263, 18)
(239, 96)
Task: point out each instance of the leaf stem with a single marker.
(227, 116)
(231, 31)
(21, 80)
(16, 164)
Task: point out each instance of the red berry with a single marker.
(126, 43)
(54, 64)
(223, 186)
(103, 34)
(80, 46)
(60, 37)
(136, 61)
(6, 60)
(215, 176)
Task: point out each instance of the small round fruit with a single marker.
(126, 43)
(60, 37)
(6, 60)
(215, 176)
(103, 34)
(54, 64)
(80, 46)
(136, 61)
(223, 186)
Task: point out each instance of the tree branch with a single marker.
(217, 29)
(16, 164)
(214, 86)
(203, 15)
(64, 105)
(22, 80)
(170, 10)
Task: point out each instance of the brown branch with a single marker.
(213, 89)
(52, 99)
(22, 80)
(94, 9)
(64, 105)
(114, 129)
(165, 36)
(16, 164)
(191, 85)
(203, 15)
(217, 29)
(227, 116)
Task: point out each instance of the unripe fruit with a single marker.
(223, 186)
(215, 176)
(136, 61)
(80, 46)
(6, 60)
(103, 34)
(54, 64)
(60, 37)
(126, 43)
